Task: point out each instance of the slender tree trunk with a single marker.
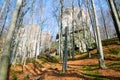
(92, 22)
(3, 7)
(14, 53)
(38, 46)
(61, 25)
(65, 54)
(73, 43)
(59, 42)
(117, 7)
(4, 23)
(100, 50)
(85, 41)
(5, 58)
(4, 4)
(40, 41)
(103, 18)
(24, 63)
(115, 17)
(36, 41)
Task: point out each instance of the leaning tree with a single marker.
(5, 58)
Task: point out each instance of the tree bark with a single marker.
(6, 15)
(3, 7)
(5, 58)
(61, 25)
(100, 50)
(115, 17)
(73, 41)
(103, 18)
(65, 54)
(4, 23)
(92, 22)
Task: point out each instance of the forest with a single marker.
(59, 39)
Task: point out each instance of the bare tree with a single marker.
(90, 12)
(84, 23)
(57, 17)
(100, 50)
(4, 67)
(5, 4)
(61, 25)
(3, 7)
(117, 3)
(115, 17)
(73, 22)
(19, 34)
(65, 53)
(103, 19)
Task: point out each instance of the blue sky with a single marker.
(50, 21)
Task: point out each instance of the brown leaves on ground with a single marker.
(78, 69)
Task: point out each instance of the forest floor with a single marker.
(81, 68)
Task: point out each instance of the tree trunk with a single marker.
(61, 25)
(73, 43)
(6, 15)
(103, 18)
(3, 7)
(65, 54)
(4, 64)
(4, 23)
(85, 39)
(100, 50)
(92, 22)
(115, 17)
(117, 7)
